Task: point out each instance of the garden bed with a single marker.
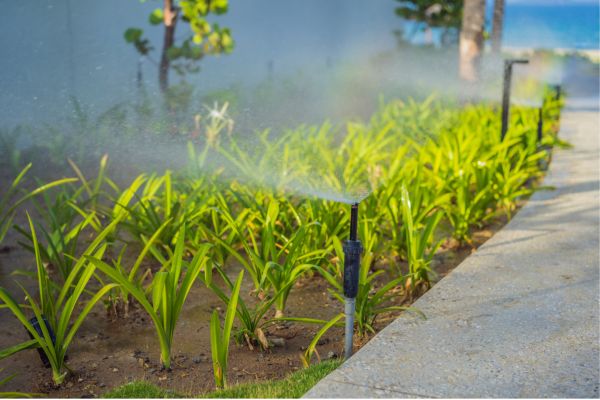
(463, 185)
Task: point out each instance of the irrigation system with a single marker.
(508, 66)
(540, 125)
(558, 89)
(36, 325)
(352, 251)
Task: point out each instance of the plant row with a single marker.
(273, 207)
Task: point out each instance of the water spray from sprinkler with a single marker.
(352, 252)
(508, 65)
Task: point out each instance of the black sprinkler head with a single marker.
(508, 64)
(352, 251)
(36, 325)
(540, 125)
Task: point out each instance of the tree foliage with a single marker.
(204, 38)
(434, 13)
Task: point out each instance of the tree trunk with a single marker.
(471, 39)
(497, 22)
(170, 21)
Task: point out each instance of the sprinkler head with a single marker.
(558, 90)
(540, 125)
(508, 64)
(516, 61)
(36, 325)
(352, 251)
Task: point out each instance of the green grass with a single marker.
(294, 386)
(140, 390)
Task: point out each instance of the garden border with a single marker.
(518, 318)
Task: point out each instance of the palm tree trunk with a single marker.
(471, 39)
(170, 21)
(497, 22)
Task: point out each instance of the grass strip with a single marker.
(294, 386)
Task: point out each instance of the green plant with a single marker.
(10, 149)
(119, 298)
(214, 225)
(63, 233)
(252, 319)
(292, 387)
(10, 202)
(66, 215)
(141, 390)
(164, 298)
(274, 261)
(58, 309)
(312, 347)
(296, 260)
(419, 247)
(219, 339)
(161, 204)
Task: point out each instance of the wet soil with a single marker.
(108, 351)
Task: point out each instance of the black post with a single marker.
(540, 125)
(508, 64)
(558, 89)
(36, 325)
(352, 251)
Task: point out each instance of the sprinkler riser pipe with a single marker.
(349, 309)
(508, 64)
(352, 252)
(354, 222)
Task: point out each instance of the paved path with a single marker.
(519, 318)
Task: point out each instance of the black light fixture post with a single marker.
(540, 125)
(558, 91)
(508, 65)
(352, 252)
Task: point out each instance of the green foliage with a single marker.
(66, 215)
(57, 306)
(436, 170)
(427, 14)
(219, 339)
(292, 387)
(164, 298)
(252, 319)
(418, 241)
(141, 390)
(435, 13)
(10, 200)
(204, 39)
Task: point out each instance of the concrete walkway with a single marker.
(518, 318)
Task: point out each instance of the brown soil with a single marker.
(109, 352)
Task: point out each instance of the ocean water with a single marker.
(551, 24)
